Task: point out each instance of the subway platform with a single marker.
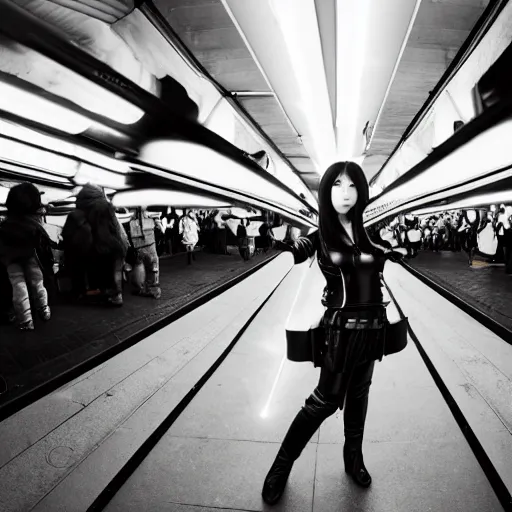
(80, 332)
(485, 286)
(190, 418)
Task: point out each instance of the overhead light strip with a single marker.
(500, 197)
(193, 160)
(151, 197)
(15, 171)
(219, 191)
(450, 192)
(35, 107)
(484, 135)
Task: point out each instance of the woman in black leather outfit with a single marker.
(354, 320)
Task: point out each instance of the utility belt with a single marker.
(374, 318)
(353, 337)
(366, 331)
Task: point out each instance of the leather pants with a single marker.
(333, 391)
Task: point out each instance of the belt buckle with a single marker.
(351, 323)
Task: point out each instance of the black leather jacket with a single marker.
(353, 278)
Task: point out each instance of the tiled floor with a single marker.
(485, 286)
(78, 332)
(217, 453)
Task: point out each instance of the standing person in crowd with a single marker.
(241, 234)
(189, 230)
(207, 231)
(170, 222)
(502, 225)
(448, 232)
(160, 228)
(95, 245)
(23, 240)
(439, 233)
(220, 234)
(457, 237)
(354, 323)
(469, 233)
(505, 222)
(145, 263)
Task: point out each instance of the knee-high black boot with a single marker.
(356, 406)
(305, 424)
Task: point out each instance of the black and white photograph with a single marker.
(255, 255)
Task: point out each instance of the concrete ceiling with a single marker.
(218, 34)
(211, 35)
(440, 28)
(325, 80)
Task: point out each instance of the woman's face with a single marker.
(343, 194)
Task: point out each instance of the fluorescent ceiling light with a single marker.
(299, 25)
(37, 69)
(205, 164)
(36, 108)
(351, 28)
(503, 196)
(396, 207)
(149, 197)
(25, 173)
(19, 153)
(486, 153)
(90, 174)
(36, 138)
(109, 172)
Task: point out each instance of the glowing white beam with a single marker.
(487, 152)
(200, 162)
(490, 199)
(151, 197)
(352, 20)
(299, 24)
(36, 108)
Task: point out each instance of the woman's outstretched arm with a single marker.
(302, 248)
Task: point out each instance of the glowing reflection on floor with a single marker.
(264, 413)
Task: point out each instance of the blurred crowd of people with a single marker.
(99, 249)
(487, 231)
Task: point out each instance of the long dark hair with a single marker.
(332, 232)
